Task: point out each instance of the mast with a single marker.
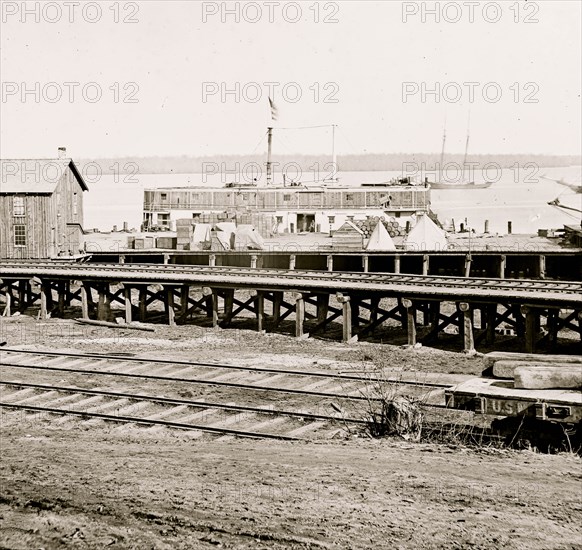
(333, 154)
(443, 151)
(466, 146)
(269, 163)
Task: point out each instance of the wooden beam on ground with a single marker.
(506, 369)
(489, 359)
(115, 325)
(547, 378)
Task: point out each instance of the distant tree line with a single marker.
(309, 163)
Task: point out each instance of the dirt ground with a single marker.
(96, 485)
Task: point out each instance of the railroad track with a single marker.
(321, 389)
(318, 278)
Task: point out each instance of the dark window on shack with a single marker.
(18, 206)
(20, 235)
(349, 197)
(164, 196)
(286, 198)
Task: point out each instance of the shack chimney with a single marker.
(62, 152)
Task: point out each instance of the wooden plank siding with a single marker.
(45, 219)
(398, 198)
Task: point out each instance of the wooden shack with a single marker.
(41, 208)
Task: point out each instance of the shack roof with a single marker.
(36, 176)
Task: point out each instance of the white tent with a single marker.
(380, 240)
(201, 233)
(426, 235)
(248, 238)
(224, 231)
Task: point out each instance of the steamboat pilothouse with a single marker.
(287, 207)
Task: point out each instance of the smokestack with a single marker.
(62, 152)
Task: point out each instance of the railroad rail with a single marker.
(201, 416)
(525, 260)
(182, 409)
(191, 414)
(356, 388)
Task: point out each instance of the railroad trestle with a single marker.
(423, 306)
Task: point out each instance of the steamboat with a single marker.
(287, 207)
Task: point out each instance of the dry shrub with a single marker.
(400, 416)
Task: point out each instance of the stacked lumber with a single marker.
(184, 233)
(536, 372)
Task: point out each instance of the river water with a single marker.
(518, 196)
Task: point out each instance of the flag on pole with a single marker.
(274, 110)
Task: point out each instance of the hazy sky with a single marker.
(163, 60)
